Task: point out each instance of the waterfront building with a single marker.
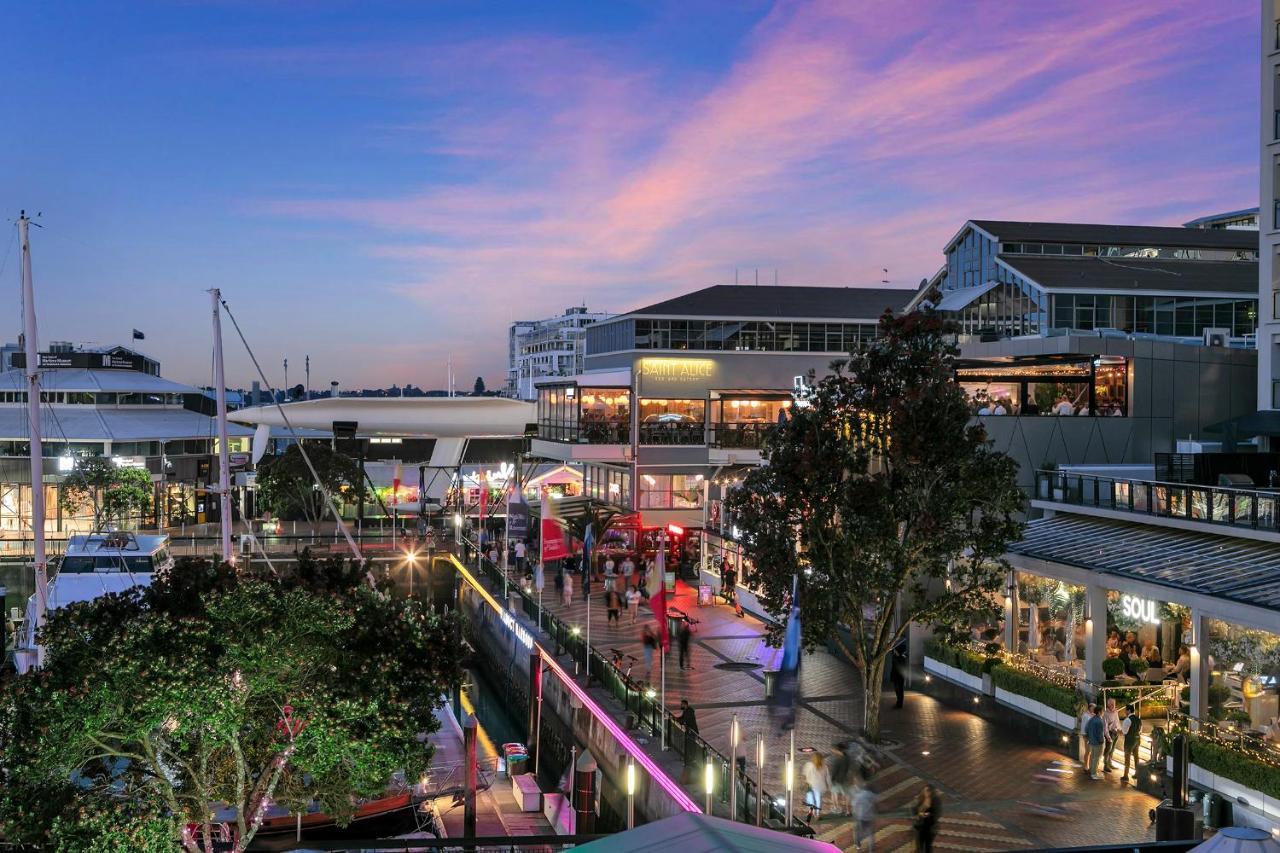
(1269, 195)
(542, 348)
(1246, 220)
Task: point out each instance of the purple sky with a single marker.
(382, 184)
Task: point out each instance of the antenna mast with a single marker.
(40, 560)
(224, 464)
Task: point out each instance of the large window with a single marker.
(592, 415)
(670, 491)
(743, 422)
(1058, 388)
(752, 335)
(673, 421)
(1171, 316)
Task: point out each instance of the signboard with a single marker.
(518, 520)
(522, 633)
(676, 373)
(86, 360)
(1139, 609)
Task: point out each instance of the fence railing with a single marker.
(1249, 508)
(641, 703)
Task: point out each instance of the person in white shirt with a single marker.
(1110, 719)
(633, 603)
(985, 410)
(999, 409)
(1064, 407)
(609, 574)
(520, 548)
(628, 568)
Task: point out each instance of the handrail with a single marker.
(633, 694)
(1265, 491)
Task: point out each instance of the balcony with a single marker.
(1239, 508)
(681, 433)
(589, 432)
(740, 435)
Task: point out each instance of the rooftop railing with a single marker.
(1254, 509)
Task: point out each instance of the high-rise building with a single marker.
(538, 349)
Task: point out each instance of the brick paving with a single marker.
(994, 784)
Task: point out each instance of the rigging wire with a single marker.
(328, 496)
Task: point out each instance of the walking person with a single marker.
(925, 813)
(609, 573)
(897, 670)
(612, 603)
(628, 568)
(633, 603)
(817, 775)
(650, 642)
(841, 765)
(682, 638)
(1095, 735)
(1131, 732)
(520, 551)
(864, 819)
(1111, 720)
(566, 590)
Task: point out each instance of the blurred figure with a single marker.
(925, 813)
(864, 819)
(818, 777)
(650, 642)
(682, 638)
(633, 603)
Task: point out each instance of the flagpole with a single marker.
(662, 579)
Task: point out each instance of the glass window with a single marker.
(672, 421)
(1072, 250)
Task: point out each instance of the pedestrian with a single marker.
(612, 603)
(682, 638)
(520, 550)
(1131, 730)
(1110, 719)
(628, 569)
(566, 593)
(925, 813)
(728, 581)
(609, 573)
(818, 777)
(633, 603)
(842, 779)
(1095, 737)
(864, 819)
(642, 578)
(897, 670)
(650, 642)
(687, 717)
(493, 553)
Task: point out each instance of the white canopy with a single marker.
(699, 833)
(425, 417)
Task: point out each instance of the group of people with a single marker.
(1106, 726)
(1138, 659)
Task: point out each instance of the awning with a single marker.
(1226, 567)
(699, 833)
(1246, 426)
(954, 300)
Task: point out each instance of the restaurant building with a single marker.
(109, 402)
(675, 397)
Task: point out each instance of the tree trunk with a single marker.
(872, 687)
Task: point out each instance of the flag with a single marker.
(553, 543)
(539, 577)
(789, 671)
(138, 336)
(658, 601)
(484, 498)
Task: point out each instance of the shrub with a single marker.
(1236, 765)
(1032, 687)
(961, 658)
(1112, 667)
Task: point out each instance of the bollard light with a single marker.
(631, 779)
(735, 732)
(631, 794)
(709, 780)
(759, 750)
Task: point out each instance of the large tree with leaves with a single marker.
(286, 487)
(214, 688)
(883, 499)
(115, 494)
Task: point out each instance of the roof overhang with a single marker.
(955, 300)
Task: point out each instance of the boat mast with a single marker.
(224, 465)
(41, 561)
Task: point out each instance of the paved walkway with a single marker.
(987, 777)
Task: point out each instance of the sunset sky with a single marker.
(382, 184)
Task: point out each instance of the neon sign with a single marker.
(1139, 609)
(522, 634)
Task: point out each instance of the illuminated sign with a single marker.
(675, 530)
(522, 634)
(1139, 609)
(677, 369)
(801, 391)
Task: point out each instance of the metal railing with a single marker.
(687, 434)
(642, 705)
(588, 432)
(1254, 509)
(747, 435)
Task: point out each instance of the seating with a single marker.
(527, 794)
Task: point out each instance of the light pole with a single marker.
(791, 776)
(735, 735)
(709, 779)
(631, 793)
(759, 777)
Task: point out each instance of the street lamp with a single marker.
(759, 778)
(631, 793)
(411, 562)
(735, 735)
(791, 776)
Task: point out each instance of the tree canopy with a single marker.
(884, 499)
(213, 689)
(478, 388)
(114, 493)
(286, 488)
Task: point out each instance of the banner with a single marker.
(658, 601)
(517, 519)
(554, 543)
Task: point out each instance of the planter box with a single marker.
(954, 675)
(1264, 810)
(1039, 710)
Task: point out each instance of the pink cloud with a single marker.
(841, 138)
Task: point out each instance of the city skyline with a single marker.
(380, 186)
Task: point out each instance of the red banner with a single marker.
(554, 541)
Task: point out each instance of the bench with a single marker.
(527, 794)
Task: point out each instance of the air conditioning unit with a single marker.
(1217, 337)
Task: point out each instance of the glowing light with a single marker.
(631, 778)
(575, 630)
(411, 557)
(790, 775)
(928, 679)
(709, 777)
(650, 693)
(675, 530)
(683, 800)
(1065, 739)
(976, 700)
(925, 752)
(457, 519)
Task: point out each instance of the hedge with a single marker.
(1235, 765)
(961, 658)
(1032, 687)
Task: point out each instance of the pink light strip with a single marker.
(631, 747)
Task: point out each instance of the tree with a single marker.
(115, 493)
(285, 485)
(478, 390)
(211, 687)
(884, 500)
